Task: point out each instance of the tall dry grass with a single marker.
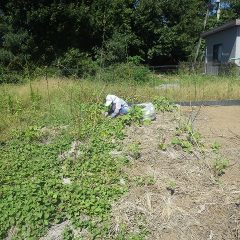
(56, 100)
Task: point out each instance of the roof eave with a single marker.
(221, 28)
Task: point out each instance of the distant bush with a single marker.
(126, 72)
(188, 68)
(14, 51)
(114, 49)
(10, 76)
(229, 69)
(77, 63)
(135, 60)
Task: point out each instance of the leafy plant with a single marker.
(187, 138)
(34, 193)
(162, 146)
(68, 234)
(147, 122)
(74, 62)
(184, 144)
(216, 147)
(163, 104)
(171, 186)
(145, 180)
(220, 165)
(134, 150)
(134, 116)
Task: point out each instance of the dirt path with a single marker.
(201, 205)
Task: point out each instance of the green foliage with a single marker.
(159, 32)
(134, 150)
(135, 115)
(147, 122)
(14, 53)
(8, 76)
(216, 147)
(33, 194)
(136, 60)
(115, 50)
(184, 144)
(76, 63)
(145, 180)
(68, 234)
(163, 104)
(128, 73)
(220, 165)
(162, 146)
(187, 138)
(171, 186)
(128, 234)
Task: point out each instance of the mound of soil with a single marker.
(186, 199)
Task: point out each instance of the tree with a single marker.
(160, 32)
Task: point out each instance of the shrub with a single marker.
(10, 76)
(77, 63)
(115, 49)
(220, 165)
(126, 72)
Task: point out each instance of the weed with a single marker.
(184, 144)
(162, 146)
(135, 115)
(147, 122)
(33, 193)
(68, 234)
(134, 150)
(140, 233)
(171, 186)
(145, 180)
(186, 137)
(220, 165)
(216, 147)
(164, 105)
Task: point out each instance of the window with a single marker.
(217, 53)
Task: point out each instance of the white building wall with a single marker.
(237, 54)
(230, 40)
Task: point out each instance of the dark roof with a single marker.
(221, 28)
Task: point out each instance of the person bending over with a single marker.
(116, 105)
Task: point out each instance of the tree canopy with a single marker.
(159, 32)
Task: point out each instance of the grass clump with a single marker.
(220, 165)
(215, 147)
(145, 180)
(134, 150)
(171, 186)
(187, 138)
(164, 105)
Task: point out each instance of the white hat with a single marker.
(109, 100)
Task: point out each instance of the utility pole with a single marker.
(218, 2)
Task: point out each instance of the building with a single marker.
(222, 46)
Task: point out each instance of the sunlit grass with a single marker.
(42, 101)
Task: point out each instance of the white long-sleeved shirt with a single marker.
(117, 102)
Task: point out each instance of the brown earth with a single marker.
(187, 199)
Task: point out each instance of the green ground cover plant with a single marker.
(220, 165)
(39, 129)
(33, 195)
(187, 138)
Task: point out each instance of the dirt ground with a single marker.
(186, 200)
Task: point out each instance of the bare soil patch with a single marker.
(201, 205)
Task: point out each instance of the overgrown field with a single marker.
(44, 179)
(56, 161)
